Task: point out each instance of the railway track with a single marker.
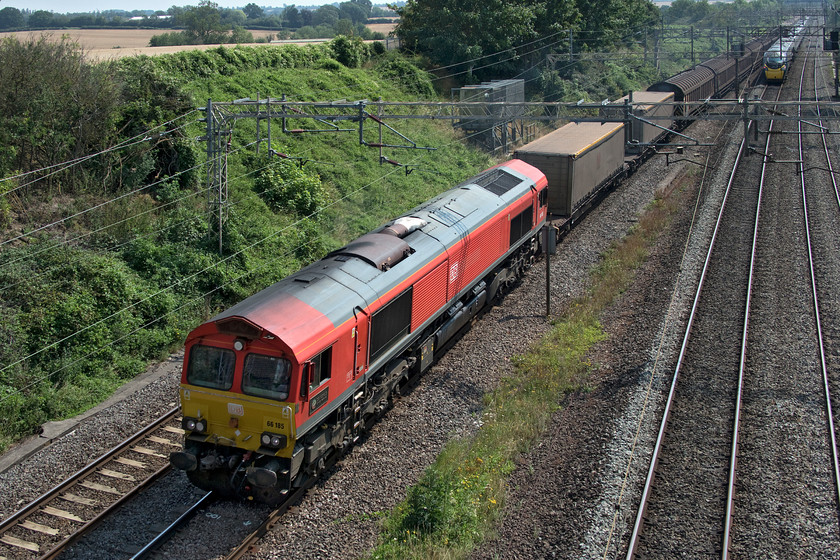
(783, 498)
(55, 520)
(681, 512)
(745, 451)
(159, 539)
(824, 209)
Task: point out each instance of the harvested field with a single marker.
(104, 44)
(383, 28)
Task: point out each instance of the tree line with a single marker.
(209, 24)
(251, 15)
(484, 39)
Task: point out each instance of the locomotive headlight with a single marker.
(273, 441)
(194, 424)
(238, 344)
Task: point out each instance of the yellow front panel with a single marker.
(774, 74)
(237, 420)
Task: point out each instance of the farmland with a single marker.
(104, 44)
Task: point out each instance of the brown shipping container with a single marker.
(645, 107)
(576, 159)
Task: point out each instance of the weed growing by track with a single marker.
(462, 494)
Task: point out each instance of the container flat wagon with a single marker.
(580, 161)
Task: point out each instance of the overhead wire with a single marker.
(152, 233)
(30, 277)
(85, 211)
(179, 282)
(112, 200)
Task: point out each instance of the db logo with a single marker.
(236, 409)
(453, 273)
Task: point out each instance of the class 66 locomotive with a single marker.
(279, 385)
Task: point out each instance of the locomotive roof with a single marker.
(781, 48)
(306, 306)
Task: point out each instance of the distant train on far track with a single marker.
(714, 78)
(779, 56)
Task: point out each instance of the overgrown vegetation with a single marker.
(106, 263)
(459, 497)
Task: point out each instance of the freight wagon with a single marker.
(580, 161)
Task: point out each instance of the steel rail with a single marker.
(248, 544)
(637, 526)
(824, 368)
(164, 535)
(59, 491)
(742, 364)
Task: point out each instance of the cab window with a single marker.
(321, 368)
(211, 367)
(266, 376)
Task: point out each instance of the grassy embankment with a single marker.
(454, 505)
(86, 305)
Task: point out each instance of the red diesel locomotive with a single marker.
(279, 384)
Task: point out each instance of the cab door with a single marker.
(361, 342)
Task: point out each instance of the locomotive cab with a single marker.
(237, 399)
(774, 63)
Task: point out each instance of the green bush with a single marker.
(350, 51)
(169, 39)
(285, 186)
(408, 75)
(61, 106)
(378, 48)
